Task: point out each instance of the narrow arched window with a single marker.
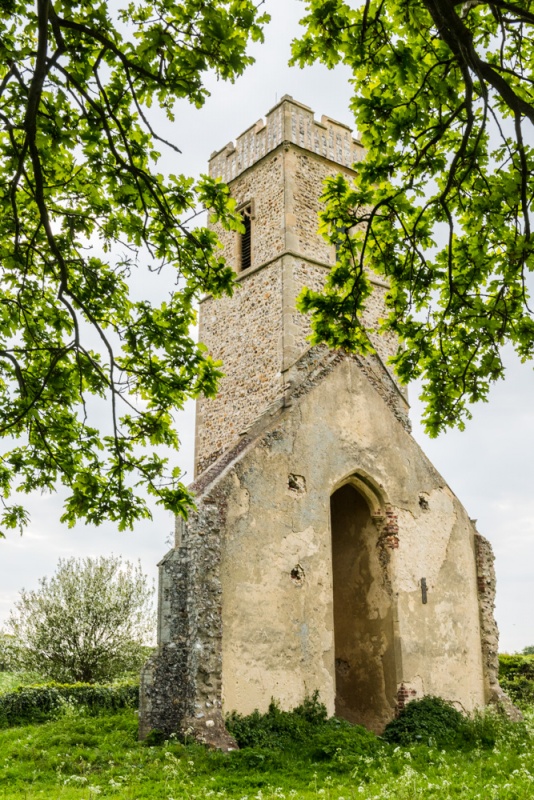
(245, 239)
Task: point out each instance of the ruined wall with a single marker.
(180, 688)
(260, 593)
(247, 596)
(487, 586)
(437, 643)
(440, 581)
(486, 582)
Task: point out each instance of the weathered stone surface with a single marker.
(326, 552)
(487, 586)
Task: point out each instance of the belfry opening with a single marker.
(363, 615)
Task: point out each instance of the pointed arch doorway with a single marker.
(365, 668)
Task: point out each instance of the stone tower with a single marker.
(326, 552)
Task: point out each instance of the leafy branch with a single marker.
(444, 103)
(78, 190)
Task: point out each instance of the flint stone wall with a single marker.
(258, 334)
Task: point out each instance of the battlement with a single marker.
(292, 122)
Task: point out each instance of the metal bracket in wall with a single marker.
(423, 591)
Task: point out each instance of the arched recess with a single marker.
(364, 609)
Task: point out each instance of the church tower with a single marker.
(326, 553)
(275, 171)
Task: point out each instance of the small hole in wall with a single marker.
(296, 483)
(342, 667)
(297, 575)
(423, 502)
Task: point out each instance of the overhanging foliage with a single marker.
(442, 204)
(81, 205)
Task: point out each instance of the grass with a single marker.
(84, 757)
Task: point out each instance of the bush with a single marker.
(516, 676)
(277, 728)
(272, 730)
(426, 721)
(40, 703)
(90, 622)
(306, 728)
(339, 738)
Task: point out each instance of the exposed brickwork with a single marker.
(387, 525)
(404, 695)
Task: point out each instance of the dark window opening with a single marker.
(245, 259)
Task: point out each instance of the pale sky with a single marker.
(489, 466)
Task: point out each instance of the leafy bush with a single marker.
(516, 676)
(40, 703)
(274, 729)
(430, 719)
(339, 738)
(90, 622)
(305, 728)
(312, 710)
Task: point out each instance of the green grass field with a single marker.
(82, 756)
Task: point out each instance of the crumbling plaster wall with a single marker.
(247, 596)
(438, 643)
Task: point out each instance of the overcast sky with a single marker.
(489, 466)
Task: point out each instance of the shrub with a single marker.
(516, 676)
(277, 728)
(306, 728)
(40, 703)
(274, 729)
(90, 622)
(312, 710)
(429, 720)
(339, 738)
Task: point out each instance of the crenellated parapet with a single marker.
(288, 121)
